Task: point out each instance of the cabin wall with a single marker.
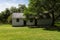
(40, 22)
(29, 23)
(15, 23)
(44, 22)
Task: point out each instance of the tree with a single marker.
(34, 9)
(9, 19)
(21, 8)
(7, 14)
(40, 6)
(35, 6)
(52, 7)
(4, 15)
(13, 10)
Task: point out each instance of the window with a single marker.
(17, 20)
(31, 20)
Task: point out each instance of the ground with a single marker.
(7, 32)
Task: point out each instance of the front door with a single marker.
(24, 23)
(35, 22)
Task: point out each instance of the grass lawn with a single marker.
(7, 32)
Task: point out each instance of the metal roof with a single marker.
(18, 15)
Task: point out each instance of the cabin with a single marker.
(18, 19)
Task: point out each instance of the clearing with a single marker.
(7, 32)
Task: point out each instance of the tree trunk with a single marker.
(53, 19)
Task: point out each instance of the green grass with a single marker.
(7, 32)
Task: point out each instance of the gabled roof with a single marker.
(18, 15)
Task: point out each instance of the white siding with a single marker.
(15, 23)
(30, 23)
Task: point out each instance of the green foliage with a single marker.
(9, 19)
(13, 9)
(50, 5)
(35, 6)
(26, 11)
(5, 16)
(40, 6)
(21, 8)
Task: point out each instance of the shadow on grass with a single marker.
(49, 28)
